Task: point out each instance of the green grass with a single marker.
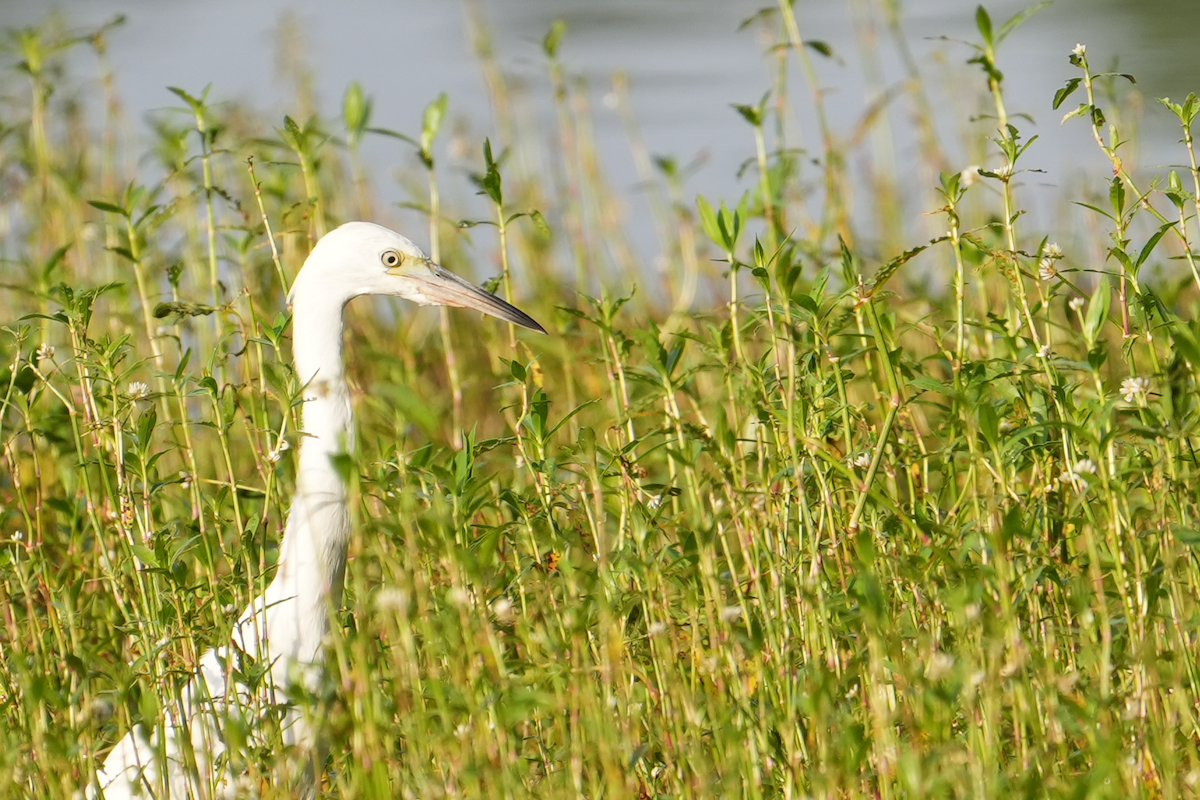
(853, 532)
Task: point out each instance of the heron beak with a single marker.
(441, 287)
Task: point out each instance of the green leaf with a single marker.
(989, 424)
(431, 122)
(292, 133)
(54, 260)
(111, 208)
(1081, 110)
(146, 423)
(539, 222)
(356, 112)
(1097, 311)
(849, 272)
(984, 23)
(1186, 343)
(1151, 243)
(123, 252)
(1017, 19)
(146, 556)
(196, 103)
(183, 308)
(708, 220)
(488, 183)
(343, 465)
(1116, 195)
(553, 38)
(753, 114)
(929, 385)
(1187, 535)
(394, 134)
(821, 47)
(1066, 91)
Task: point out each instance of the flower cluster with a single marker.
(1077, 474)
(1134, 390)
(861, 461)
(1046, 268)
(278, 452)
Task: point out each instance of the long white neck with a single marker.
(312, 558)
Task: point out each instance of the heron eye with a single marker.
(391, 259)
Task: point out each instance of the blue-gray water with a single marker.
(686, 61)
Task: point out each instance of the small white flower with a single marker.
(391, 600)
(502, 610)
(939, 666)
(1079, 50)
(1044, 351)
(969, 176)
(278, 452)
(45, 352)
(1076, 303)
(731, 613)
(1075, 476)
(245, 786)
(656, 629)
(655, 501)
(861, 461)
(185, 480)
(1046, 270)
(18, 536)
(1134, 390)
(138, 390)
(1003, 171)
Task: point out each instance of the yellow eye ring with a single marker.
(391, 258)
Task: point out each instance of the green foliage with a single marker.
(812, 517)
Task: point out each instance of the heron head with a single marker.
(363, 258)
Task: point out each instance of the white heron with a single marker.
(284, 629)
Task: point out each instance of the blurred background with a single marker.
(685, 63)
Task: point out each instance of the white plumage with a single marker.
(284, 629)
